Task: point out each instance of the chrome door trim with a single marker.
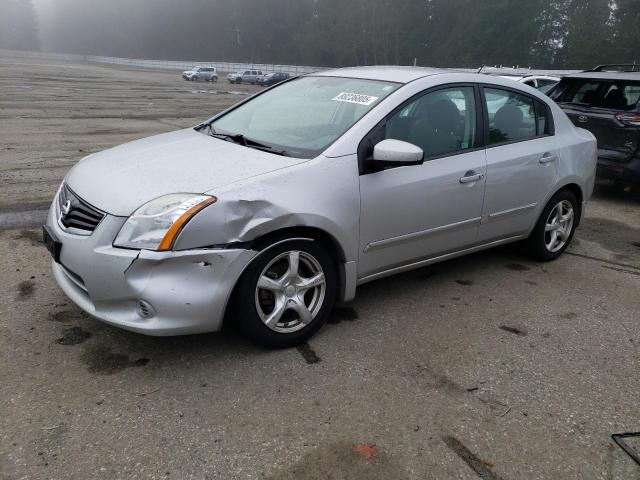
(510, 211)
(415, 235)
(428, 261)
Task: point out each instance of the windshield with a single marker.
(304, 116)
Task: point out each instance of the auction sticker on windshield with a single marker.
(355, 98)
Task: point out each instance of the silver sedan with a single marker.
(283, 204)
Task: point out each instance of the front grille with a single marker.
(76, 213)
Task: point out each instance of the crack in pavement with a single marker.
(610, 262)
(475, 463)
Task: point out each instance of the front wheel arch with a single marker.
(248, 317)
(312, 234)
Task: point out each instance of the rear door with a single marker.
(600, 106)
(522, 161)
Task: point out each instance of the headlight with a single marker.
(156, 225)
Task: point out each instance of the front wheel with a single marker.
(555, 228)
(287, 293)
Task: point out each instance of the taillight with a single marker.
(630, 119)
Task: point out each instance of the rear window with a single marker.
(610, 94)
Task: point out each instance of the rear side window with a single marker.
(543, 120)
(512, 116)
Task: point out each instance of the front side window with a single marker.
(441, 122)
(511, 115)
(306, 115)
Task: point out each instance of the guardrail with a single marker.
(224, 67)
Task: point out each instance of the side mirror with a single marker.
(396, 153)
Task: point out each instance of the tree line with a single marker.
(447, 33)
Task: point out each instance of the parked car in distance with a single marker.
(544, 83)
(272, 78)
(234, 77)
(244, 76)
(286, 202)
(606, 101)
(208, 74)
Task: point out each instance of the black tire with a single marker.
(246, 296)
(536, 245)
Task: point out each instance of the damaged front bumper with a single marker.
(154, 293)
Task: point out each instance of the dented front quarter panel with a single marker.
(322, 193)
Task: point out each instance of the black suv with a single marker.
(606, 101)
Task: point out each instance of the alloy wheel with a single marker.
(559, 226)
(290, 291)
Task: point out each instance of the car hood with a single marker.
(123, 178)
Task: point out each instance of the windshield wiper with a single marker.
(246, 142)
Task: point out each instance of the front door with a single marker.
(413, 213)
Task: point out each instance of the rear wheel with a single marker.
(287, 293)
(555, 228)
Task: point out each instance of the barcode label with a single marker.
(355, 98)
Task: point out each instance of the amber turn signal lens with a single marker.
(173, 232)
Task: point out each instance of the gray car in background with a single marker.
(208, 74)
(286, 202)
(244, 76)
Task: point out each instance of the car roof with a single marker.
(606, 75)
(383, 72)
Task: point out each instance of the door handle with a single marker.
(548, 158)
(471, 177)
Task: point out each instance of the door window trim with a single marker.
(479, 137)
